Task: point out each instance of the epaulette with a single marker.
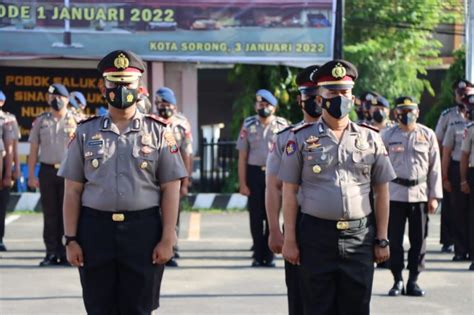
(469, 125)
(282, 121)
(158, 119)
(369, 127)
(87, 119)
(300, 127)
(446, 111)
(285, 129)
(249, 121)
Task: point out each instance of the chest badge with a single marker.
(146, 139)
(316, 169)
(143, 165)
(95, 163)
(312, 142)
(97, 136)
(361, 143)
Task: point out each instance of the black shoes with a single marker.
(397, 289)
(460, 257)
(49, 260)
(269, 264)
(447, 249)
(414, 290)
(3, 248)
(171, 263)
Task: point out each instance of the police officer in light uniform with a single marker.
(165, 102)
(79, 104)
(459, 202)
(8, 140)
(333, 164)
(254, 142)
(368, 99)
(49, 136)
(121, 170)
(414, 153)
(467, 173)
(380, 112)
(311, 113)
(449, 116)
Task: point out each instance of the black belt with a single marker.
(262, 168)
(56, 166)
(409, 182)
(343, 224)
(119, 216)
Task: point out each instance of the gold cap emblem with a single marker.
(121, 62)
(338, 71)
(316, 169)
(407, 102)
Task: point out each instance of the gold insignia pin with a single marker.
(407, 101)
(146, 139)
(312, 139)
(121, 62)
(313, 146)
(95, 163)
(338, 71)
(316, 169)
(97, 136)
(143, 165)
(129, 98)
(87, 154)
(170, 140)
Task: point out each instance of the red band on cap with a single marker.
(129, 69)
(307, 84)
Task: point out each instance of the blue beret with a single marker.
(77, 98)
(2, 96)
(58, 89)
(382, 101)
(267, 96)
(167, 95)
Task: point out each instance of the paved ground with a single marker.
(214, 275)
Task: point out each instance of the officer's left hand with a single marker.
(381, 254)
(432, 205)
(163, 252)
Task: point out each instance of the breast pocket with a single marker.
(45, 133)
(316, 162)
(363, 161)
(94, 160)
(145, 158)
(421, 152)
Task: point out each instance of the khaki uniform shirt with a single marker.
(335, 177)
(122, 171)
(52, 136)
(8, 130)
(468, 142)
(182, 132)
(257, 139)
(414, 155)
(453, 139)
(448, 116)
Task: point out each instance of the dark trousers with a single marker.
(118, 276)
(293, 283)
(446, 235)
(460, 211)
(417, 216)
(337, 267)
(258, 215)
(471, 214)
(52, 195)
(4, 198)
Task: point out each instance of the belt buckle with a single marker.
(56, 166)
(342, 225)
(264, 168)
(118, 217)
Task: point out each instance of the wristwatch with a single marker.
(382, 243)
(68, 239)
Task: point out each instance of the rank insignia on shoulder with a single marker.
(290, 147)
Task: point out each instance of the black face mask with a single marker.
(379, 116)
(338, 107)
(264, 112)
(360, 114)
(165, 112)
(311, 108)
(121, 97)
(57, 104)
(407, 118)
(470, 114)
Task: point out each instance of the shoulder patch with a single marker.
(285, 129)
(158, 119)
(300, 127)
(87, 119)
(369, 127)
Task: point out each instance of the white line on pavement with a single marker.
(11, 218)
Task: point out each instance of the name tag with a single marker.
(95, 143)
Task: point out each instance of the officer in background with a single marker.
(79, 103)
(49, 136)
(414, 153)
(332, 165)
(254, 142)
(368, 99)
(449, 116)
(122, 241)
(311, 113)
(8, 141)
(165, 102)
(358, 110)
(459, 201)
(143, 102)
(380, 113)
(467, 173)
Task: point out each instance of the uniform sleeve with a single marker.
(435, 183)
(9, 130)
(72, 166)
(170, 163)
(291, 162)
(441, 127)
(449, 137)
(467, 141)
(382, 170)
(188, 138)
(243, 141)
(16, 128)
(34, 132)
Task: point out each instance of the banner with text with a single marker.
(269, 31)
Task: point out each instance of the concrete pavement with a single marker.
(214, 276)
